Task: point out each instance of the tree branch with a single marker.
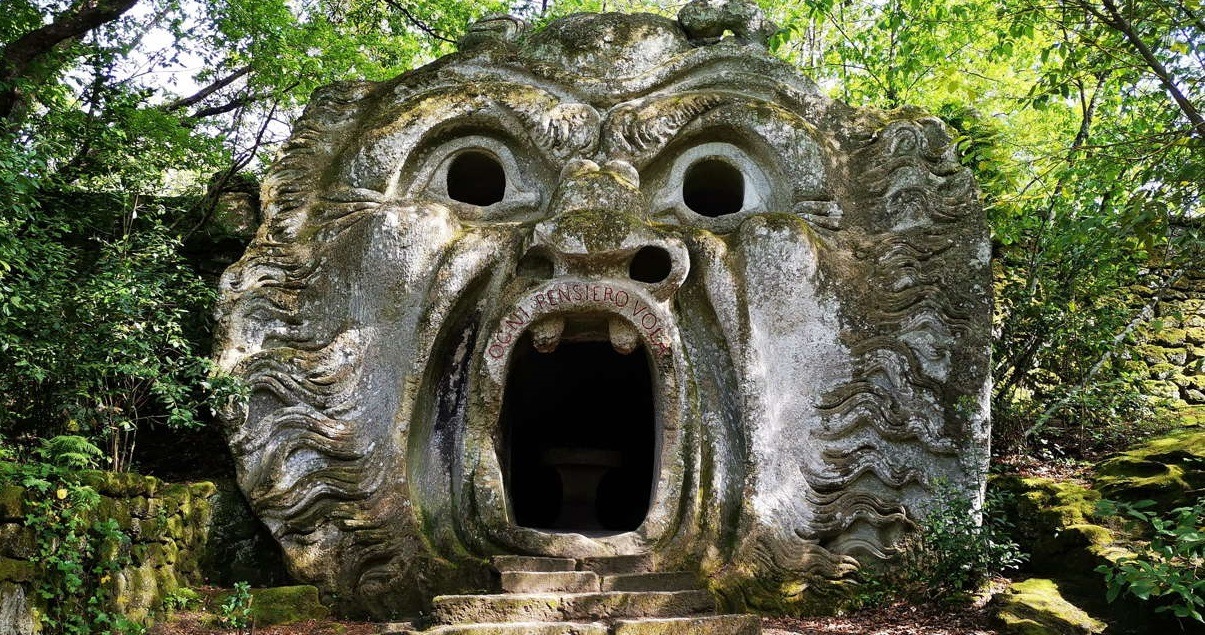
(233, 104)
(18, 58)
(200, 95)
(1117, 21)
(422, 26)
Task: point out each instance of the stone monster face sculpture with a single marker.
(618, 287)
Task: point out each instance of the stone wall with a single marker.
(168, 526)
(1172, 344)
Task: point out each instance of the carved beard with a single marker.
(781, 301)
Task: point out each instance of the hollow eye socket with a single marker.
(476, 178)
(713, 187)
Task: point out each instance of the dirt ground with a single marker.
(899, 619)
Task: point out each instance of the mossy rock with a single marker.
(120, 484)
(1169, 470)
(12, 570)
(1171, 336)
(12, 503)
(1037, 607)
(282, 605)
(1195, 335)
(17, 541)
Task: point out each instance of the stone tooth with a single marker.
(624, 338)
(546, 334)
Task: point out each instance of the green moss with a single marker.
(1195, 335)
(203, 489)
(12, 502)
(282, 605)
(16, 570)
(1171, 336)
(1167, 470)
(1037, 607)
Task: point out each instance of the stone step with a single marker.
(611, 565)
(512, 628)
(550, 582)
(666, 581)
(533, 564)
(705, 625)
(563, 607)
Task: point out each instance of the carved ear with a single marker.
(705, 21)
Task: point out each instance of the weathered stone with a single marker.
(667, 581)
(12, 503)
(285, 605)
(1035, 607)
(533, 564)
(613, 565)
(708, 625)
(17, 541)
(551, 582)
(13, 570)
(512, 628)
(552, 607)
(622, 286)
(16, 618)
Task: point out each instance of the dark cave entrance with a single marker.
(579, 437)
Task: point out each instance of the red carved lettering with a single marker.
(644, 321)
(496, 351)
(621, 302)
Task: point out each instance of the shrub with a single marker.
(956, 548)
(1168, 564)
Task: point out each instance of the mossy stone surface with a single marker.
(12, 502)
(1169, 470)
(1037, 607)
(282, 605)
(12, 570)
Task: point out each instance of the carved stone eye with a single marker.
(713, 187)
(476, 178)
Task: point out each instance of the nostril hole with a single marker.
(535, 264)
(651, 265)
(476, 178)
(713, 188)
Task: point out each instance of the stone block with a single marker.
(17, 541)
(610, 565)
(508, 628)
(13, 570)
(707, 625)
(12, 503)
(667, 581)
(16, 616)
(1036, 607)
(552, 607)
(533, 564)
(282, 605)
(549, 582)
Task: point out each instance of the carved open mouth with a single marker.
(579, 427)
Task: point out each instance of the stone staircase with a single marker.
(616, 595)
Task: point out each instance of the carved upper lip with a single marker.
(585, 310)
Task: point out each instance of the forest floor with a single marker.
(897, 619)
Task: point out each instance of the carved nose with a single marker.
(597, 229)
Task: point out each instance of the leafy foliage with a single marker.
(235, 612)
(1169, 568)
(75, 553)
(957, 547)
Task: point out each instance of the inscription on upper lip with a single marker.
(636, 312)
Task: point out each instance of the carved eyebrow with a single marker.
(561, 129)
(647, 125)
(555, 128)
